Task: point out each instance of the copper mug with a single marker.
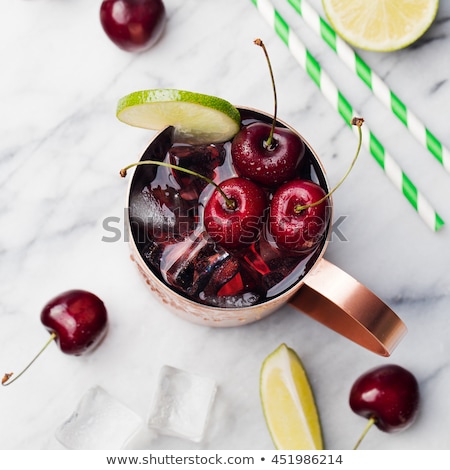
(325, 292)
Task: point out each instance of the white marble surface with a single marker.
(61, 147)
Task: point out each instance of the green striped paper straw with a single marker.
(344, 108)
(360, 68)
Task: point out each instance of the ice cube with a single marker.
(160, 213)
(189, 264)
(271, 267)
(182, 404)
(99, 422)
(203, 270)
(202, 159)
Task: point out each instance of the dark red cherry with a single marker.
(133, 25)
(233, 216)
(389, 395)
(79, 320)
(293, 227)
(267, 163)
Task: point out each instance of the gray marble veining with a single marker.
(61, 148)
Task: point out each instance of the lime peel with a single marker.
(288, 402)
(196, 118)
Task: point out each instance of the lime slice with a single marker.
(380, 25)
(288, 402)
(196, 118)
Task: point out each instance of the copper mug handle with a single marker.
(340, 302)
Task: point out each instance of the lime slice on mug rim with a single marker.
(196, 118)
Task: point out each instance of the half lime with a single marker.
(381, 25)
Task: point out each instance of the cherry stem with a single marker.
(6, 377)
(370, 423)
(358, 122)
(268, 142)
(231, 204)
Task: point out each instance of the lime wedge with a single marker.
(288, 402)
(196, 118)
(380, 25)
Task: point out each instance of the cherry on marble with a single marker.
(77, 321)
(133, 25)
(388, 396)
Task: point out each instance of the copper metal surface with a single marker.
(334, 298)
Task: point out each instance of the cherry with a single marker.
(133, 25)
(299, 215)
(233, 215)
(235, 220)
(264, 160)
(388, 396)
(77, 321)
(267, 154)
